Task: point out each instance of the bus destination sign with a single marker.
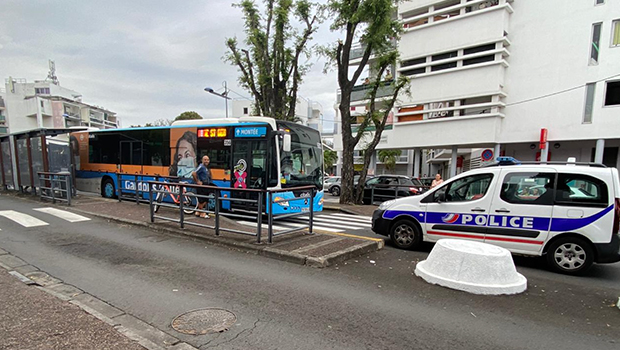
(212, 132)
(257, 131)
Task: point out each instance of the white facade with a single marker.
(43, 104)
(490, 74)
(4, 127)
(308, 112)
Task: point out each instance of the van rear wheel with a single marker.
(570, 255)
(406, 235)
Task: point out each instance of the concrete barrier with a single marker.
(473, 267)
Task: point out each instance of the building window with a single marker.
(600, 2)
(594, 47)
(615, 35)
(245, 110)
(612, 94)
(42, 91)
(444, 56)
(587, 113)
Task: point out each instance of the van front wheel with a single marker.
(406, 235)
(570, 255)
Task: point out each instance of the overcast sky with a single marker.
(144, 60)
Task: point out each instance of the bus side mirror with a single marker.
(286, 143)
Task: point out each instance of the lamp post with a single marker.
(223, 95)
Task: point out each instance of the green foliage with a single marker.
(389, 157)
(161, 122)
(188, 115)
(329, 158)
(374, 25)
(270, 65)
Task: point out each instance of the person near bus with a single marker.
(202, 176)
(437, 181)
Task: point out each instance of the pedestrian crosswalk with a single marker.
(336, 222)
(27, 220)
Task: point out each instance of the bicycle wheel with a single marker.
(190, 203)
(158, 199)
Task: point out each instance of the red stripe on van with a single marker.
(502, 239)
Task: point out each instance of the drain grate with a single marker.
(204, 321)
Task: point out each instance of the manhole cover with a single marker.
(204, 321)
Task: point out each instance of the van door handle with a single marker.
(478, 209)
(502, 210)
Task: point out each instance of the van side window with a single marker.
(528, 188)
(466, 189)
(581, 190)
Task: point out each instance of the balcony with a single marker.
(360, 92)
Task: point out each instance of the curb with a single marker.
(336, 208)
(261, 250)
(146, 335)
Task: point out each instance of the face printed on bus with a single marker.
(186, 159)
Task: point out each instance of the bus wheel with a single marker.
(107, 188)
(405, 234)
(570, 255)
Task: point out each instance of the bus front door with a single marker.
(249, 166)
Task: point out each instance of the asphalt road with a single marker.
(373, 302)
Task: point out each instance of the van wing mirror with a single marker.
(286, 143)
(441, 196)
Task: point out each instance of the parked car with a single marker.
(328, 182)
(568, 213)
(419, 187)
(336, 187)
(386, 187)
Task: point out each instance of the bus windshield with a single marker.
(303, 165)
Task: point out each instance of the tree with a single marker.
(270, 67)
(373, 23)
(162, 122)
(188, 115)
(389, 157)
(329, 158)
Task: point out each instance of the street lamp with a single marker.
(223, 95)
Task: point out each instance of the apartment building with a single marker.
(307, 112)
(44, 104)
(491, 77)
(4, 128)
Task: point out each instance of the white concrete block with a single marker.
(473, 267)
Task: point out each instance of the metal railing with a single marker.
(389, 192)
(215, 198)
(55, 186)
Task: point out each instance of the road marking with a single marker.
(332, 224)
(288, 225)
(337, 220)
(65, 215)
(354, 236)
(358, 217)
(22, 219)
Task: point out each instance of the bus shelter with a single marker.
(24, 154)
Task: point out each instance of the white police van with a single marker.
(569, 212)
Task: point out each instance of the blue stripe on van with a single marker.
(565, 225)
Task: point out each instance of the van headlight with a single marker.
(386, 204)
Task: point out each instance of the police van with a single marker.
(570, 213)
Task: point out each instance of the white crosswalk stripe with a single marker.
(325, 222)
(63, 214)
(22, 219)
(353, 217)
(287, 225)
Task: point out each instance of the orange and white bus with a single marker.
(249, 152)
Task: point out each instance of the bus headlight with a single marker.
(283, 203)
